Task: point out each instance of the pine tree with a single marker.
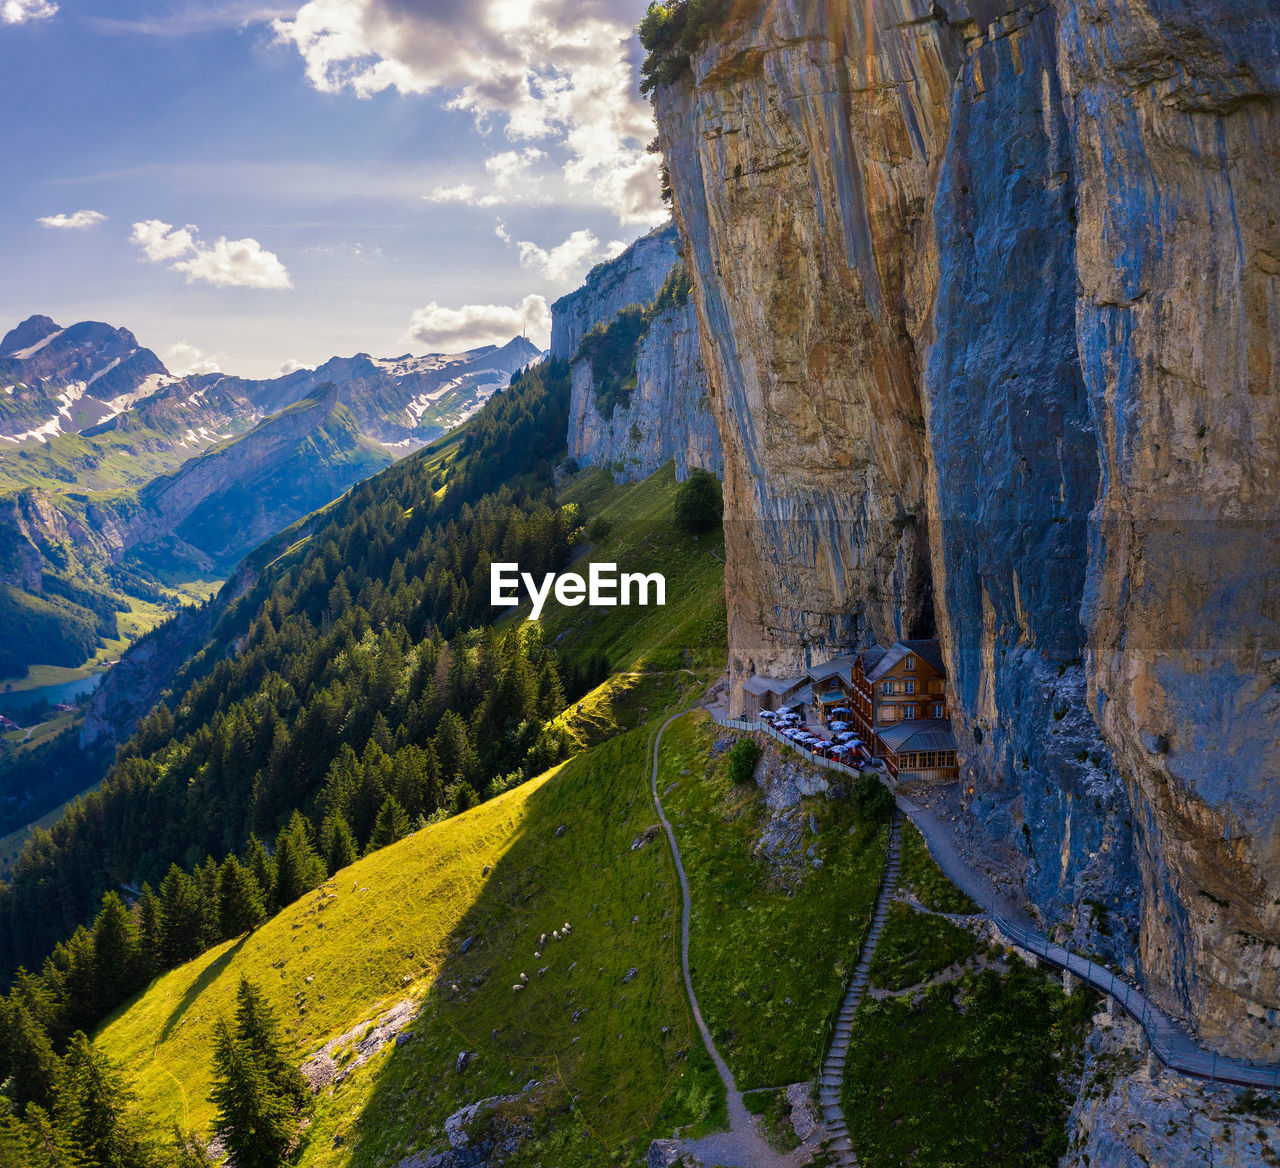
(149, 942)
(453, 749)
(298, 868)
(338, 843)
(116, 954)
(392, 824)
(206, 880)
(94, 1108)
(240, 905)
(255, 1122)
(258, 1028)
(551, 699)
(263, 868)
(35, 1141)
(181, 918)
(33, 1068)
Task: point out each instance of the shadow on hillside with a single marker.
(207, 977)
(603, 1010)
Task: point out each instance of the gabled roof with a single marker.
(928, 651)
(837, 666)
(763, 685)
(870, 657)
(915, 735)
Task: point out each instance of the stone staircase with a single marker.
(831, 1078)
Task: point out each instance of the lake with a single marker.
(16, 705)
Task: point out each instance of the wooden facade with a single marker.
(899, 702)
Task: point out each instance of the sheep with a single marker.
(517, 987)
(524, 977)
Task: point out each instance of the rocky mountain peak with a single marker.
(30, 332)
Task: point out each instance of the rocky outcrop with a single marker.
(633, 277)
(988, 299)
(667, 417)
(1131, 1113)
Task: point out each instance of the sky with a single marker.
(253, 186)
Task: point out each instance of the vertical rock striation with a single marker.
(634, 277)
(1175, 111)
(1014, 479)
(667, 417)
(987, 295)
(801, 168)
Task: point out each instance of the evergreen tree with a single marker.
(263, 868)
(35, 1141)
(453, 748)
(94, 1108)
(149, 939)
(240, 904)
(255, 1122)
(33, 1068)
(116, 954)
(206, 880)
(551, 699)
(258, 1028)
(298, 868)
(338, 843)
(181, 918)
(392, 824)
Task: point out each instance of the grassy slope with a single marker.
(628, 1080)
(756, 940)
(689, 630)
(406, 910)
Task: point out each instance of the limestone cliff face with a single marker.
(987, 295)
(800, 191)
(634, 277)
(668, 415)
(1175, 113)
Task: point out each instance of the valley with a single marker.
(821, 711)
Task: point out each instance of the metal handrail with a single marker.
(1174, 1047)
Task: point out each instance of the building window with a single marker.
(887, 688)
(887, 714)
(911, 662)
(910, 683)
(939, 711)
(908, 712)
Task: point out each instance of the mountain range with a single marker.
(124, 487)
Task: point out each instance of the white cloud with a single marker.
(560, 73)
(184, 359)
(227, 263)
(451, 330)
(458, 193)
(292, 366)
(566, 261)
(74, 221)
(513, 166)
(162, 241)
(21, 11)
